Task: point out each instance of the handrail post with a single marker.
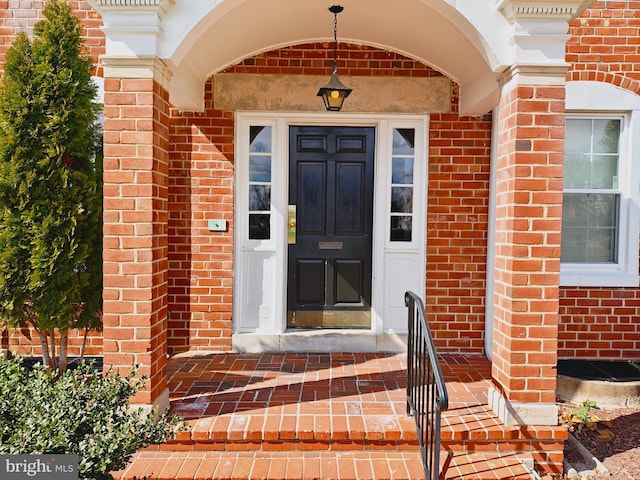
(426, 390)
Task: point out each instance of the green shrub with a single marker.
(583, 412)
(82, 412)
(50, 184)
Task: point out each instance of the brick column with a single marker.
(527, 260)
(136, 132)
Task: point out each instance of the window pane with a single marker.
(604, 171)
(260, 140)
(259, 168)
(605, 136)
(574, 210)
(590, 228)
(602, 210)
(577, 171)
(591, 154)
(259, 198)
(402, 171)
(402, 199)
(259, 226)
(574, 245)
(577, 136)
(401, 229)
(403, 141)
(601, 246)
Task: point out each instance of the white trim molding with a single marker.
(132, 27)
(127, 67)
(539, 29)
(563, 10)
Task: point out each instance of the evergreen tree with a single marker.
(50, 195)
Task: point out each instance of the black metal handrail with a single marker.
(426, 391)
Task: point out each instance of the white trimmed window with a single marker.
(600, 202)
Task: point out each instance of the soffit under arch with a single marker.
(200, 39)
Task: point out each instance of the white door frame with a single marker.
(260, 267)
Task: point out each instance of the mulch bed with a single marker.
(621, 454)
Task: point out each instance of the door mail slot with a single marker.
(330, 245)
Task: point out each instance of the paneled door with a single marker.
(330, 226)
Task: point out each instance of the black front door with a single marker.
(330, 226)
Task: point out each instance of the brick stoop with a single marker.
(330, 416)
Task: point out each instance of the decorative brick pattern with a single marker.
(604, 44)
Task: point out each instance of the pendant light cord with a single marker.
(335, 43)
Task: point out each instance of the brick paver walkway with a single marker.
(295, 416)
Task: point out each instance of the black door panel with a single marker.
(331, 184)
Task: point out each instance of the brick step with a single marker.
(486, 466)
(477, 429)
(302, 432)
(273, 466)
(466, 429)
(313, 465)
(478, 423)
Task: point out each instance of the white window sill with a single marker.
(593, 278)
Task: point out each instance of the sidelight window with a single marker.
(402, 184)
(260, 161)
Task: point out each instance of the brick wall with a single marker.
(136, 168)
(604, 46)
(458, 193)
(603, 323)
(200, 262)
(16, 15)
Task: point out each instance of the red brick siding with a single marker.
(201, 262)
(603, 323)
(317, 59)
(604, 47)
(457, 213)
(599, 323)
